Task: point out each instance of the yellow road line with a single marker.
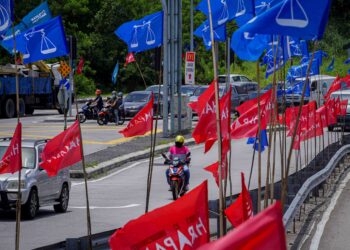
(91, 142)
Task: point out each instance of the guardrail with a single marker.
(313, 182)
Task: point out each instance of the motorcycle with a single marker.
(177, 175)
(107, 115)
(87, 112)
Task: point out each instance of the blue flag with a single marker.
(224, 11)
(297, 89)
(43, 41)
(248, 46)
(264, 141)
(301, 70)
(115, 73)
(142, 34)
(8, 36)
(38, 15)
(297, 18)
(331, 65)
(347, 61)
(203, 31)
(6, 16)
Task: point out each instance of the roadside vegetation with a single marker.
(93, 22)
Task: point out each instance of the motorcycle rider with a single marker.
(115, 102)
(180, 151)
(97, 103)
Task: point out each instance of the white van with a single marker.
(319, 85)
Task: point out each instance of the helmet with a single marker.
(98, 92)
(179, 141)
(114, 92)
(120, 94)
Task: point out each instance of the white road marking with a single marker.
(322, 224)
(118, 207)
(307, 236)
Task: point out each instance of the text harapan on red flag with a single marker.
(62, 151)
(183, 224)
(11, 162)
(141, 123)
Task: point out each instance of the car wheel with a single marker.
(63, 200)
(30, 208)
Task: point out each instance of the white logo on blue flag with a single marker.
(143, 34)
(6, 13)
(203, 31)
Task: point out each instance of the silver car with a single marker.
(37, 188)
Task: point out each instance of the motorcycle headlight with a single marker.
(13, 185)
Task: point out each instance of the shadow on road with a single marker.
(10, 215)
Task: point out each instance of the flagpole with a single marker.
(259, 137)
(19, 194)
(284, 185)
(143, 78)
(218, 124)
(150, 170)
(88, 217)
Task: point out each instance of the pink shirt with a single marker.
(175, 151)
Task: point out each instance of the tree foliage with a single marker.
(93, 22)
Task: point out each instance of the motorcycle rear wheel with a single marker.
(175, 189)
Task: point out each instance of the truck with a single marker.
(38, 89)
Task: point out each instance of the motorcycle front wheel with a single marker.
(100, 120)
(81, 117)
(175, 189)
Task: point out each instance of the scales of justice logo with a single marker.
(224, 16)
(4, 18)
(46, 45)
(150, 37)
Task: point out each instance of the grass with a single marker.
(91, 164)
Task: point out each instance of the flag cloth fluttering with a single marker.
(11, 161)
(130, 58)
(62, 151)
(171, 226)
(80, 66)
(263, 231)
(242, 208)
(141, 123)
(115, 73)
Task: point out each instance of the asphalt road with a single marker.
(95, 137)
(119, 197)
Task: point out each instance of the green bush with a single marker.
(84, 86)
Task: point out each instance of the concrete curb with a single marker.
(58, 119)
(104, 167)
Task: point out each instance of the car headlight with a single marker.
(13, 185)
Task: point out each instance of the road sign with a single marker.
(190, 67)
(64, 69)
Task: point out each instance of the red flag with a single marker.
(247, 123)
(322, 111)
(11, 162)
(129, 59)
(263, 231)
(337, 107)
(330, 105)
(214, 169)
(141, 123)
(336, 85)
(242, 209)
(182, 224)
(80, 66)
(225, 119)
(62, 151)
(343, 107)
(202, 101)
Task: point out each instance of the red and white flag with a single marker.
(11, 162)
(343, 107)
(200, 104)
(141, 123)
(331, 112)
(62, 151)
(336, 85)
(214, 169)
(129, 59)
(242, 208)
(263, 231)
(80, 66)
(322, 112)
(182, 224)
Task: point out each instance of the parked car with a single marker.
(37, 189)
(155, 88)
(135, 101)
(201, 89)
(188, 89)
(342, 121)
(234, 78)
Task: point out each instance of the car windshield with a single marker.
(154, 88)
(222, 79)
(341, 96)
(199, 91)
(137, 97)
(187, 90)
(28, 156)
